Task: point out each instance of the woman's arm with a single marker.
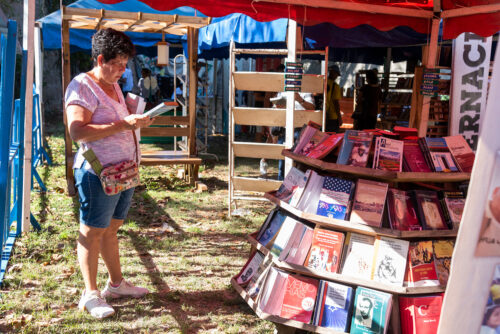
(81, 130)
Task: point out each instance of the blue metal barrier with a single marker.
(38, 152)
(10, 149)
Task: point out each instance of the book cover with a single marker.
(333, 306)
(405, 132)
(420, 315)
(413, 157)
(270, 228)
(371, 313)
(462, 153)
(388, 154)
(426, 153)
(298, 251)
(390, 260)
(250, 268)
(299, 190)
(443, 250)
(429, 210)
(401, 211)
(135, 103)
(369, 201)
(283, 236)
(453, 207)
(326, 250)
(254, 286)
(355, 148)
(312, 191)
(299, 298)
(443, 162)
(271, 297)
(421, 270)
(293, 241)
(358, 256)
(293, 180)
(334, 198)
(328, 145)
(309, 138)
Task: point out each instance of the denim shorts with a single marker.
(97, 208)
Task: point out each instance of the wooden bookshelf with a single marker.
(347, 226)
(339, 278)
(371, 173)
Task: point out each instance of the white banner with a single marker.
(471, 64)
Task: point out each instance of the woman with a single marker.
(368, 103)
(98, 119)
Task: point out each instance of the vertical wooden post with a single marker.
(193, 87)
(28, 46)
(325, 88)
(429, 60)
(290, 100)
(39, 76)
(231, 126)
(66, 78)
(416, 98)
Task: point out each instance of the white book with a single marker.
(390, 260)
(388, 154)
(358, 256)
(297, 194)
(293, 241)
(161, 108)
(298, 252)
(271, 298)
(283, 236)
(290, 184)
(310, 197)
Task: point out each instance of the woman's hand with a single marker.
(134, 121)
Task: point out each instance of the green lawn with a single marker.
(178, 243)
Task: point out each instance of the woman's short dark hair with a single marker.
(371, 77)
(111, 43)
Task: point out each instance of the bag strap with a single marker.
(136, 147)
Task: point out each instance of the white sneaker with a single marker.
(95, 305)
(126, 289)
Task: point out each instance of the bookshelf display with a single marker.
(328, 168)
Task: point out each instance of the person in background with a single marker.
(98, 119)
(368, 102)
(333, 96)
(178, 89)
(148, 86)
(126, 81)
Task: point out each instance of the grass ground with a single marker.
(178, 243)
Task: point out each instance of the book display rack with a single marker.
(393, 320)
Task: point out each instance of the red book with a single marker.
(326, 249)
(402, 214)
(414, 158)
(322, 149)
(421, 270)
(299, 298)
(404, 132)
(461, 152)
(420, 315)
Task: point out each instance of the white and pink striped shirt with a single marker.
(85, 92)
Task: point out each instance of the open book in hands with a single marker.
(161, 108)
(136, 105)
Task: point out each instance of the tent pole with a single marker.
(429, 61)
(28, 46)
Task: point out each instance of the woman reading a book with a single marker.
(98, 118)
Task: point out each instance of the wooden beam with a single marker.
(274, 117)
(193, 87)
(275, 82)
(258, 150)
(357, 7)
(254, 184)
(171, 120)
(473, 10)
(164, 132)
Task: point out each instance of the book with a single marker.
(333, 306)
(413, 158)
(250, 268)
(401, 211)
(369, 201)
(405, 132)
(420, 314)
(299, 190)
(293, 180)
(358, 255)
(335, 198)
(270, 228)
(325, 147)
(312, 191)
(388, 154)
(161, 108)
(135, 103)
(255, 285)
(355, 148)
(429, 210)
(438, 154)
(273, 290)
(298, 246)
(308, 139)
(461, 152)
(372, 310)
(283, 236)
(453, 203)
(443, 162)
(325, 251)
(390, 260)
(421, 270)
(443, 250)
(299, 298)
